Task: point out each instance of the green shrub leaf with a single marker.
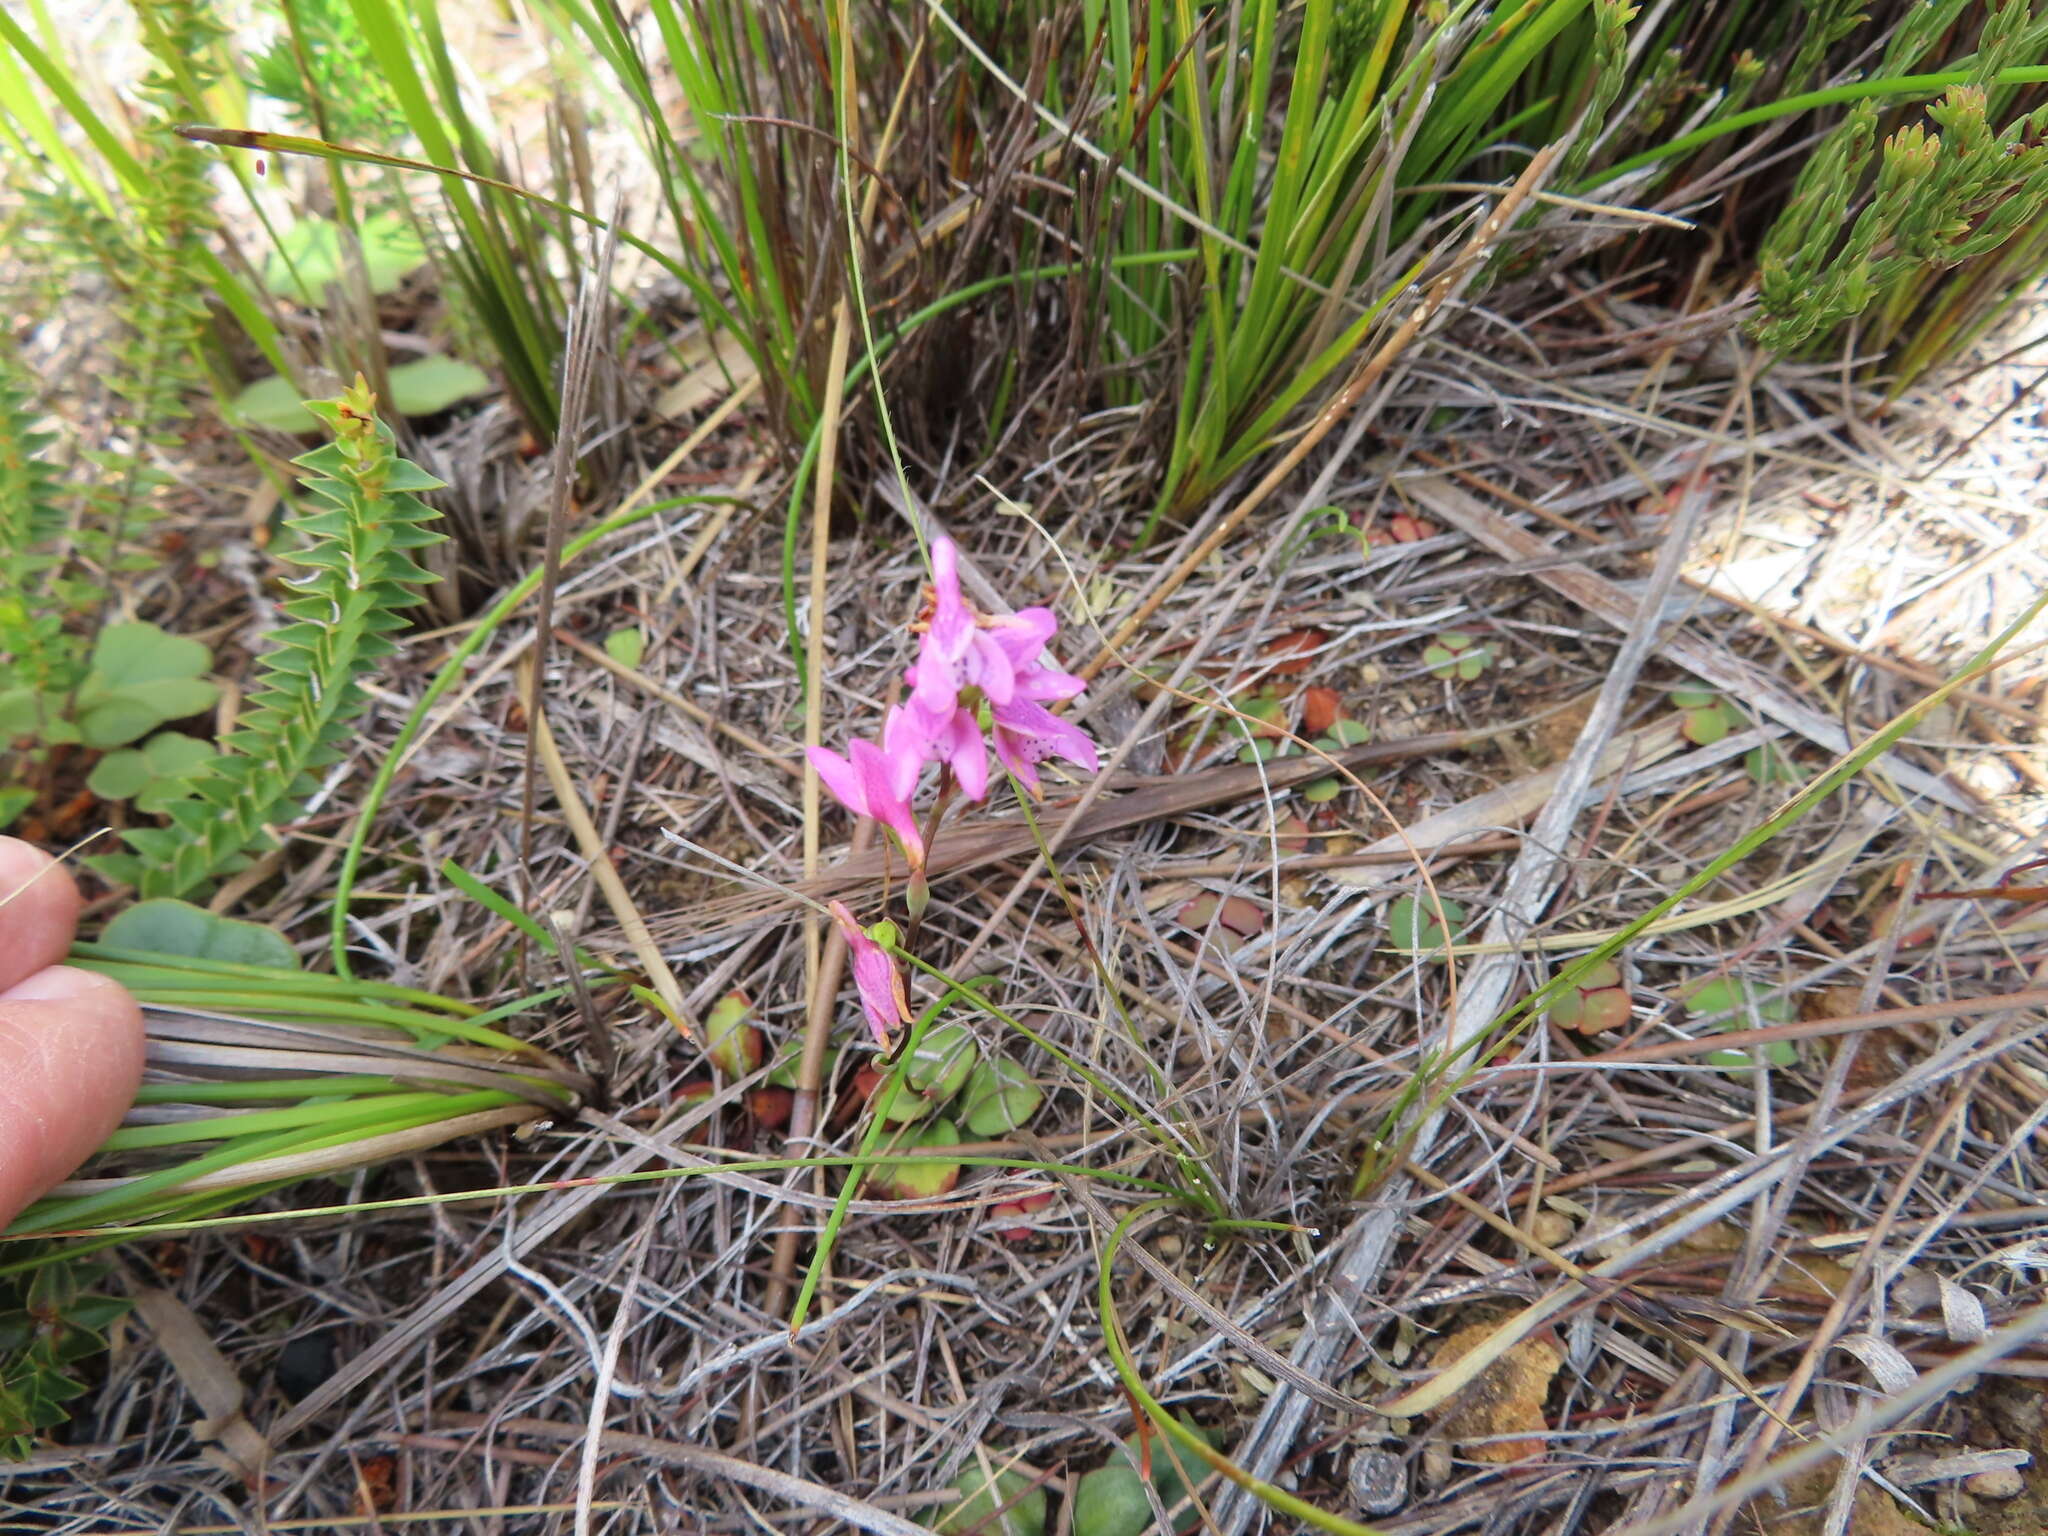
(433, 384)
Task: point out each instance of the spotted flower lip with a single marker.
(955, 740)
(1025, 734)
(875, 976)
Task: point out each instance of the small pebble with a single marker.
(1998, 1483)
(1379, 1482)
(1436, 1464)
(1550, 1228)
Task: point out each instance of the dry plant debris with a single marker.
(1818, 1228)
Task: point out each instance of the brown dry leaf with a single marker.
(1806, 1274)
(376, 1485)
(1507, 1398)
(1290, 654)
(1879, 1058)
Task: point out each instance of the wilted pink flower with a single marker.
(875, 975)
(879, 781)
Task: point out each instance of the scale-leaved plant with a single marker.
(361, 576)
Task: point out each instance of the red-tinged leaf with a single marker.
(731, 1041)
(1320, 709)
(1295, 835)
(920, 1178)
(1289, 656)
(1402, 528)
(771, 1107)
(1242, 916)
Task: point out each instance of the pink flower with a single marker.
(955, 740)
(879, 781)
(1026, 734)
(875, 975)
(963, 649)
(965, 660)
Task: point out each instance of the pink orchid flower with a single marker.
(999, 661)
(955, 740)
(879, 781)
(1026, 734)
(963, 649)
(882, 997)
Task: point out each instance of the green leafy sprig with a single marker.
(361, 577)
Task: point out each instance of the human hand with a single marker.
(70, 1040)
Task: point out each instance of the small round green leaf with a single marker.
(1768, 764)
(275, 403)
(137, 651)
(1021, 1501)
(116, 722)
(1322, 790)
(1413, 925)
(1704, 727)
(922, 1178)
(626, 646)
(938, 1068)
(119, 775)
(174, 755)
(1000, 1097)
(307, 257)
(1111, 1501)
(434, 383)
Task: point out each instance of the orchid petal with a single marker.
(1026, 734)
(839, 778)
(1024, 634)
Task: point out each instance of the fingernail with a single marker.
(55, 984)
